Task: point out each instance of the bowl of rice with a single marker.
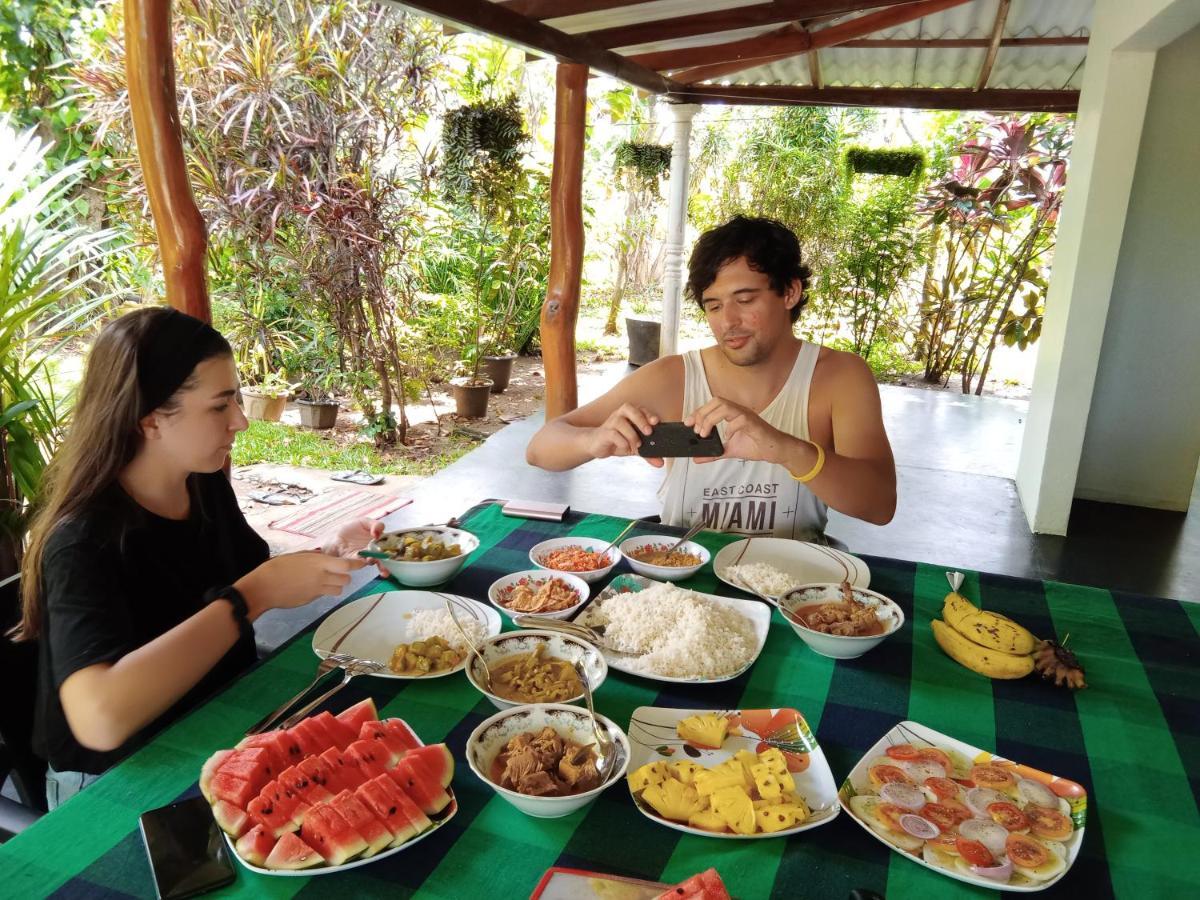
(578, 556)
(648, 556)
(539, 592)
(840, 621)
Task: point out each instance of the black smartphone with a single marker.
(188, 855)
(677, 439)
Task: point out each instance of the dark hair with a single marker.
(769, 247)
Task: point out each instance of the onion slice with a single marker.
(919, 770)
(1036, 793)
(987, 832)
(1001, 872)
(918, 827)
(902, 795)
(979, 798)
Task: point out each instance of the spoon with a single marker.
(691, 533)
(624, 531)
(574, 629)
(487, 672)
(606, 757)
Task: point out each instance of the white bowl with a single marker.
(538, 551)
(664, 573)
(486, 742)
(423, 574)
(839, 646)
(500, 647)
(501, 585)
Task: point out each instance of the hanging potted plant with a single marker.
(641, 166)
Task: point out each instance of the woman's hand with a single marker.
(352, 537)
(294, 579)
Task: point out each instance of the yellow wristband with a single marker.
(817, 466)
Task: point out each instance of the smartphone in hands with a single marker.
(676, 439)
(188, 854)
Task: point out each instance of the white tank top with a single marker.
(742, 496)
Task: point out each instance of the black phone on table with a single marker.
(676, 439)
(188, 854)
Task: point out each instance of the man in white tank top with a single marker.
(801, 424)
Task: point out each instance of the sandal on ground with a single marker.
(358, 476)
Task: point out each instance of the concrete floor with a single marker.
(958, 505)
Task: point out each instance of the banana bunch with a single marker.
(984, 642)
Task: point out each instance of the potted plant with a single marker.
(471, 391)
(265, 400)
(318, 406)
(498, 362)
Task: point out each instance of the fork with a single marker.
(327, 665)
(351, 669)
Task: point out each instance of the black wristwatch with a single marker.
(241, 612)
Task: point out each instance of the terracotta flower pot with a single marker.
(317, 414)
(471, 397)
(262, 407)
(499, 369)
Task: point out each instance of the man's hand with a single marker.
(747, 436)
(622, 432)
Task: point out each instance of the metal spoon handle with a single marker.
(624, 531)
(487, 673)
(309, 707)
(691, 533)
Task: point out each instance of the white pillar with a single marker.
(676, 219)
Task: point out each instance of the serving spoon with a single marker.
(604, 744)
(487, 672)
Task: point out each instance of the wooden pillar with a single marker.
(150, 71)
(561, 309)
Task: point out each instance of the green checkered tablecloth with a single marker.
(1132, 739)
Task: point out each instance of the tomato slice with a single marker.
(944, 788)
(889, 814)
(944, 817)
(903, 751)
(964, 782)
(1009, 815)
(960, 811)
(883, 774)
(974, 852)
(933, 754)
(1025, 852)
(1049, 823)
(946, 843)
(993, 777)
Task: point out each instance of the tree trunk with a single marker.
(614, 304)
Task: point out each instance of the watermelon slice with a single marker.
(363, 711)
(404, 803)
(401, 733)
(422, 785)
(313, 739)
(329, 834)
(368, 757)
(361, 819)
(304, 788)
(377, 732)
(277, 745)
(320, 772)
(286, 803)
(292, 853)
(252, 764)
(437, 760)
(340, 732)
(208, 770)
(263, 811)
(233, 821)
(343, 774)
(706, 885)
(255, 845)
(394, 813)
(232, 789)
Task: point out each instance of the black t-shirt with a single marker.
(119, 576)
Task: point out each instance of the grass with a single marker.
(272, 442)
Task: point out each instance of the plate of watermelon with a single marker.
(331, 793)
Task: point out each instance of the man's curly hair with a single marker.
(769, 247)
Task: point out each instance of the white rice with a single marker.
(762, 578)
(675, 633)
(425, 623)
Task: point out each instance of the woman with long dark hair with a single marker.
(142, 578)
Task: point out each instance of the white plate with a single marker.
(857, 782)
(807, 563)
(442, 818)
(759, 615)
(388, 625)
(652, 731)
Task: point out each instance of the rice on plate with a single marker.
(674, 632)
(426, 623)
(762, 578)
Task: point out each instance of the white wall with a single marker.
(1143, 432)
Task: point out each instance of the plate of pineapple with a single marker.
(740, 774)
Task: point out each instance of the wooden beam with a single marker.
(906, 98)
(490, 18)
(728, 20)
(786, 41)
(150, 75)
(804, 41)
(553, 9)
(560, 311)
(814, 68)
(989, 59)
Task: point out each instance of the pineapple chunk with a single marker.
(707, 730)
(733, 804)
(651, 773)
(673, 800)
(786, 781)
(685, 770)
(774, 818)
(796, 807)
(774, 760)
(766, 804)
(708, 820)
(765, 781)
(708, 781)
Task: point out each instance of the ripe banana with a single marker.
(985, 661)
(988, 629)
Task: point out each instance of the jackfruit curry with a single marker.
(545, 764)
(535, 678)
